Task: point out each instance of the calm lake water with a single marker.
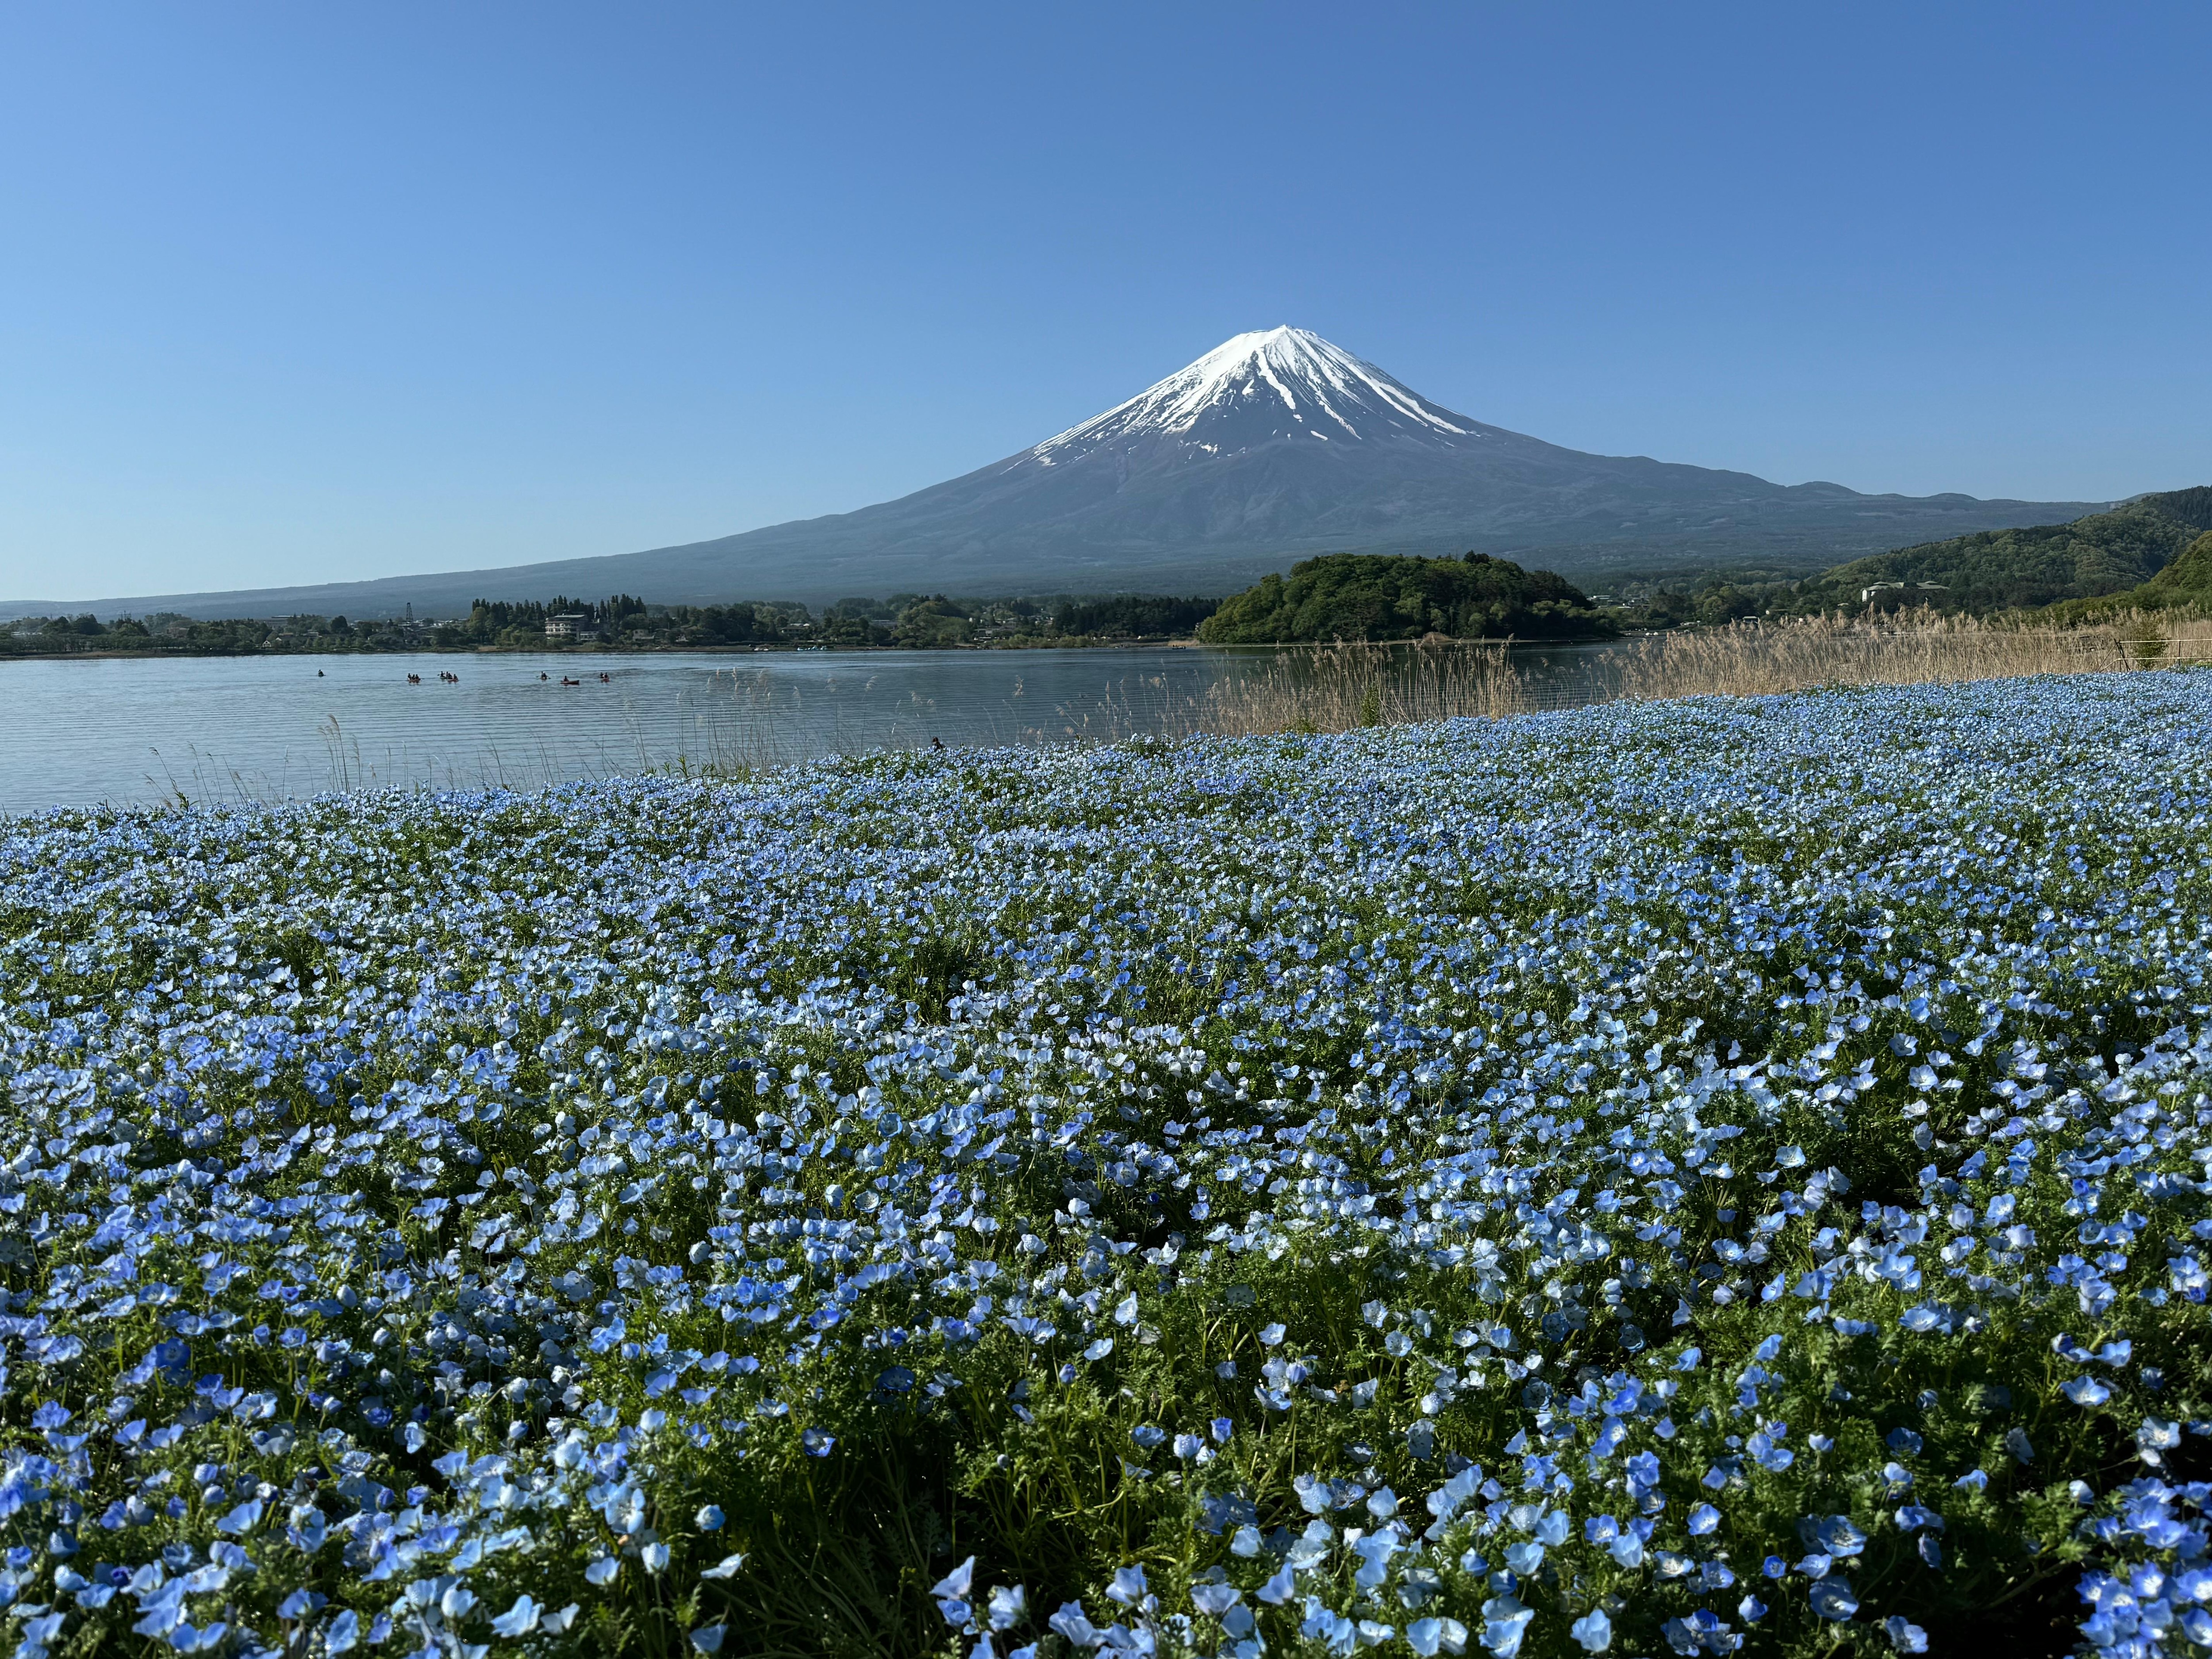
(87, 731)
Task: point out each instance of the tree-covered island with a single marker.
(1370, 597)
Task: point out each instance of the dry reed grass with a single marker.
(1756, 658)
(1335, 688)
(1332, 688)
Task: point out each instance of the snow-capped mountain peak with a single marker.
(1259, 388)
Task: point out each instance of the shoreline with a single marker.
(616, 650)
(1077, 643)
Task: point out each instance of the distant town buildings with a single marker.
(1866, 594)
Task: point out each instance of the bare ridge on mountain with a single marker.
(1273, 447)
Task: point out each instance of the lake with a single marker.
(80, 731)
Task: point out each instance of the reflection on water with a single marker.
(85, 731)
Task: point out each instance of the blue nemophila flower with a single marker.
(1506, 1622)
(2155, 1436)
(1007, 1607)
(1214, 1600)
(952, 1591)
(1763, 1449)
(1429, 1637)
(1702, 1631)
(1071, 1622)
(1834, 1534)
(1832, 1598)
(1903, 1635)
(507, 1230)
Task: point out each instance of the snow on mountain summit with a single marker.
(1259, 388)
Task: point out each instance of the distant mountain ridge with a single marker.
(1274, 447)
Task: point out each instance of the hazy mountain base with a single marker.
(713, 572)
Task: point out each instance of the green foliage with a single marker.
(2184, 585)
(1366, 596)
(623, 620)
(2189, 576)
(931, 622)
(1132, 615)
(1713, 601)
(52, 635)
(2105, 553)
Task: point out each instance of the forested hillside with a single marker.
(2184, 584)
(2105, 553)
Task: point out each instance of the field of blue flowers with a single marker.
(1653, 1179)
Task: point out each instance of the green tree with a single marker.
(1372, 597)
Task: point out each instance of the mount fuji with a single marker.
(1273, 447)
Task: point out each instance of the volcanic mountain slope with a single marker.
(1273, 447)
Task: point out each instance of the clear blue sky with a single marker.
(294, 293)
